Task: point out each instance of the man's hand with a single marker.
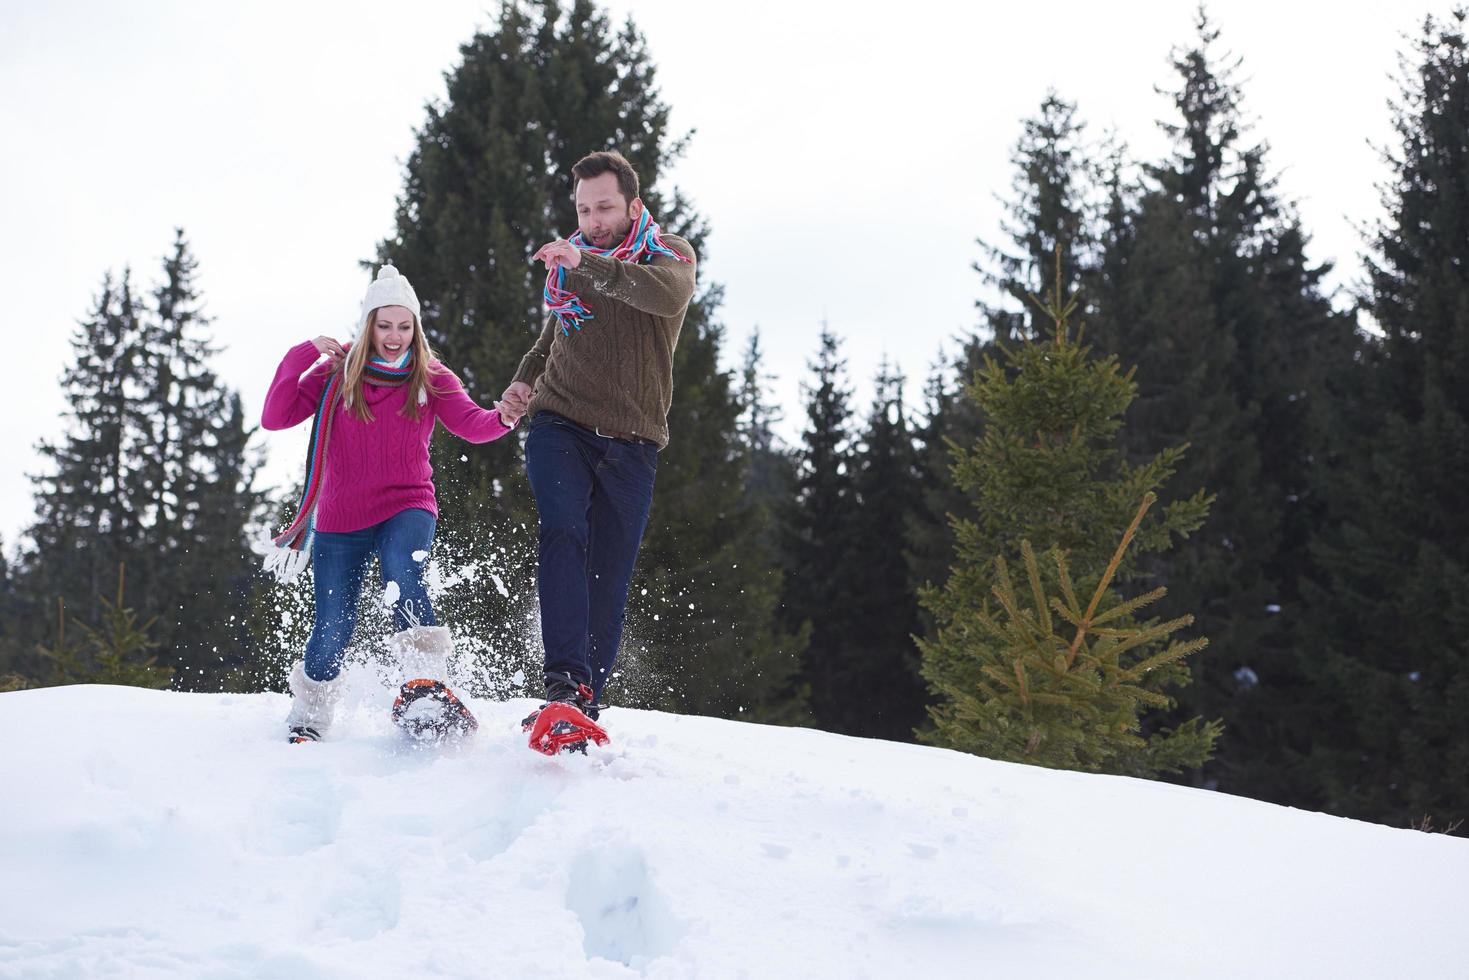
(514, 402)
(558, 253)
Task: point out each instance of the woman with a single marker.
(369, 489)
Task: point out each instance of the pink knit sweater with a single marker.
(375, 469)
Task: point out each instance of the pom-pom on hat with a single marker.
(390, 289)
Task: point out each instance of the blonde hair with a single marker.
(419, 386)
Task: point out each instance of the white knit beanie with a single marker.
(390, 289)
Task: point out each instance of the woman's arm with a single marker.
(460, 414)
(293, 398)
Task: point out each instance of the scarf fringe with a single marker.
(285, 563)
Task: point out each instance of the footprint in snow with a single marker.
(302, 813)
(362, 902)
(624, 916)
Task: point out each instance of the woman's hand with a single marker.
(514, 402)
(331, 349)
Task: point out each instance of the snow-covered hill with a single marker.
(147, 834)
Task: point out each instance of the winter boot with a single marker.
(567, 720)
(426, 709)
(312, 705)
(422, 651)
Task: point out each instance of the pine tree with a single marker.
(702, 635)
(1389, 608)
(86, 520)
(197, 479)
(816, 537)
(1047, 219)
(153, 473)
(1048, 476)
(488, 182)
(949, 420)
(72, 502)
(1204, 284)
(12, 638)
(772, 473)
(885, 695)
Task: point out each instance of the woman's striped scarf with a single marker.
(644, 240)
(289, 552)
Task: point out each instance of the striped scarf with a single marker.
(644, 240)
(289, 552)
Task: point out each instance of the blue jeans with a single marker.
(340, 561)
(593, 495)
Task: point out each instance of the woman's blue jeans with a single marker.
(340, 561)
(593, 494)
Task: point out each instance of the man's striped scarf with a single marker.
(644, 240)
(290, 551)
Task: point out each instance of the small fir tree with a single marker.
(1069, 694)
(1048, 218)
(1047, 474)
(115, 651)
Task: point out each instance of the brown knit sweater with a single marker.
(616, 373)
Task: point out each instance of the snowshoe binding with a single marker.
(427, 711)
(302, 733)
(567, 721)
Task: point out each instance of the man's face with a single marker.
(602, 214)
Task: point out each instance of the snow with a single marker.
(499, 585)
(156, 834)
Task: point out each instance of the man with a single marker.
(597, 386)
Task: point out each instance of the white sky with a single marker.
(846, 155)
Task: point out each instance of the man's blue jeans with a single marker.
(340, 562)
(593, 494)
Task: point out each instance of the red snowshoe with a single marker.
(426, 710)
(566, 722)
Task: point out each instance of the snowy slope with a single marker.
(148, 834)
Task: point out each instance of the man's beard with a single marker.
(614, 236)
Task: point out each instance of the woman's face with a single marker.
(392, 331)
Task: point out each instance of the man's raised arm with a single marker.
(662, 287)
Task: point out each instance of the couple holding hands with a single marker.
(594, 391)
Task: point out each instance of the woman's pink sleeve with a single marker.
(460, 414)
(293, 398)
